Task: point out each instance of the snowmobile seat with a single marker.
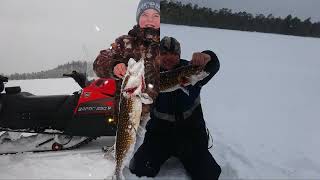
(27, 111)
(25, 101)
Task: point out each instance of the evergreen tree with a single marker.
(193, 15)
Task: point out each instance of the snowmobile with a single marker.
(66, 121)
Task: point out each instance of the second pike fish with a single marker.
(181, 77)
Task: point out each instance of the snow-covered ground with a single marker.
(261, 109)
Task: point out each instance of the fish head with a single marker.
(134, 79)
(135, 83)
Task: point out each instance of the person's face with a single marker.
(169, 60)
(150, 18)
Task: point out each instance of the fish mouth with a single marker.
(130, 90)
(184, 80)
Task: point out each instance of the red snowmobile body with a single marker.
(94, 114)
(89, 112)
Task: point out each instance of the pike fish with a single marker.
(130, 108)
(181, 77)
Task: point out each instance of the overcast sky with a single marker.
(300, 8)
(38, 35)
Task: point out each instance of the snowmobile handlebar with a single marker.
(70, 74)
(80, 78)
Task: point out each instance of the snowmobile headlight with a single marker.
(110, 120)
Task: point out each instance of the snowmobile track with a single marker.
(62, 150)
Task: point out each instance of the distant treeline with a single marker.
(193, 15)
(80, 66)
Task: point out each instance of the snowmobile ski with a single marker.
(40, 143)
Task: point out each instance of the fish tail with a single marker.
(118, 175)
(113, 177)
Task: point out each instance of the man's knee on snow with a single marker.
(201, 165)
(215, 172)
(218, 170)
(141, 167)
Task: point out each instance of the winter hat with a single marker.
(147, 4)
(170, 44)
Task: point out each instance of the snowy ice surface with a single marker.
(262, 109)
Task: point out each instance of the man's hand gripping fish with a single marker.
(181, 77)
(130, 108)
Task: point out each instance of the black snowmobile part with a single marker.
(80, 78)
(1, 87)
(13, 90)
(3, 79)
(53, 148)
(25, 112)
